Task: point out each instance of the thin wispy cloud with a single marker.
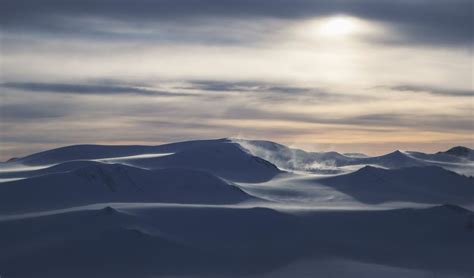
(86, 89)
(434, 90)
(29, 112)
(246, 86)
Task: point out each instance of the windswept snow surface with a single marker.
(457, 159)
(236, 208)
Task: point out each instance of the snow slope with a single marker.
(211, 242)
(429, 184)
(95, 182)
(220, 157)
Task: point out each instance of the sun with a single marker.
(337, 26)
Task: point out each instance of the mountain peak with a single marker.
(453, 207)
(369, 168)
(397, 152)
(459, 151)
(108, 210)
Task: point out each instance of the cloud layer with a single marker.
(150, 72)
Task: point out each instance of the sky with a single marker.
(367, 76)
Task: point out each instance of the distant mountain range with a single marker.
(205, 172)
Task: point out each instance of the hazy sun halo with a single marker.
(337, 26)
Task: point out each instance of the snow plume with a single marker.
(290, 159)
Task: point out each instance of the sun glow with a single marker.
(337, 26)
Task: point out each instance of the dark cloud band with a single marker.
(445, 22)
(84, 89)
(434, 90)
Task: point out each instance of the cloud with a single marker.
(220, 86)
(434, 90)
(443, 22)
(86, 89)
(245, 86)
(434, 121)
(212, 90)
(266, 91)
(21, 112)
(54, 121)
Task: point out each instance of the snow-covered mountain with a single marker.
(454, 155)
(96, 182)
(296, 159)
(460, 151)
(396, 159)
(221, 157)
(235, 208)
(430, 184)
(457, 159)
